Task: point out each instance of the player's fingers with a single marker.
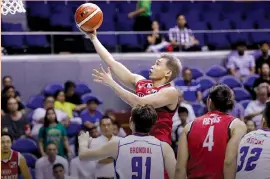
(109, 70)
(96, 71)
(97, 77)
(102, 69)
(97, 81)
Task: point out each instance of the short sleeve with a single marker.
(252, 61)
(72, 105)
(190, 32)
(145, 4)
(249, 110)
(64, 131)
(230, 63)
(57, 105)
(40, 133)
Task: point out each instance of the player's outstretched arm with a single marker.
(238, 130)
(182, 155)
(122, 73)
(169, 159)
(108, 150)
(24, 168)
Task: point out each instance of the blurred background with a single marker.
(44, 54)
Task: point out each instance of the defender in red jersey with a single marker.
(11, 161)
(208, 146)
(156, 92)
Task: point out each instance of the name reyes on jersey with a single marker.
(212, 119)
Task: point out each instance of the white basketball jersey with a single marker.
(139, 157)
(254, 156)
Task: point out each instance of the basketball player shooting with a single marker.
(138, 155)
(157, 91)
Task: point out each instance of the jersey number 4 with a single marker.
(251, 160)
(209, 139)
(137, 167)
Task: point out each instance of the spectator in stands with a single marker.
(59, 172)
(251, 126)
(92, 116)
(14, 122)
(255, 108)
(71, 95)
(241, 64)
(117, 131)
(156, 41)
(142, 16)
(7, 81)
(191, 114)
(53, 132)
(238, 111)
(264, 75)
(61, 104)
(94, 132)
(183, 116)
(9, 92)
(105, 167)
(265, 56)
(111, 114)
(190, 87)
(181, 37)
(44, 165)
(82, 169)
(39, 115)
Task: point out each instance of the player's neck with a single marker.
(158, 83)
(6, 155)
(140, 134)
(109, 137)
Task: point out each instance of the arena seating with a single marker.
(200, 16)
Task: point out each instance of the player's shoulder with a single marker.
(237, 124)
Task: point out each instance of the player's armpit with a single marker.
(162, 98)
(106, 160)
(182, 155)
(238, 130)
(169, 159)
(24, 168)
(108, 150)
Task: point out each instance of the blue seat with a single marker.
(216, 71)
(196, 73)
(233, 16)
(14, 41)
(108, 40)
(51, 89)
(82, 88)
(219, 40)
(264, 24)
(260, 36)
(129, 40)
(37, 41)
(124, 23)
(198, 108)
(30, 117)
(220, 25)
(145, 74)
(86, 97)
(205, 95)
(244, 36)
(231, 81)
(126, 7)
(198, 26)
(168, 20)
(244, 25)
(206, 82)
(25, 146)
(211, 16)
(249, 81)
(241, 94)
(189, 95)
(38, 9)
(244, 103)
(30, 159)
(201, 38)
(62, 16)
(254, 14)
(35, 102)
(73, 129)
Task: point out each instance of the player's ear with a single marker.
(168, 74)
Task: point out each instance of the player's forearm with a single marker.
(229, 170)
(180, 174)
(126, 95)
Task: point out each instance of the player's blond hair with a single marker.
(173, 64)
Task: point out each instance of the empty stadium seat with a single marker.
(109, 41)
(222, 41)
(206, 82)
(82, 88)
(14, 41)
(241, 94)
(35, 102)
(73, 129)
(51, 89)
(231, 81)
(199, 108)
(205, 95)
(249, 81)
(216, 71)
(38, 9)
(30, 159)
(25, 145)
(244, 103)
(196, 73)
(37, 41)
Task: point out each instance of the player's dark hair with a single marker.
(7, 134)
(103, 118)
(222, 97)
(266, 113)
(172, 64)
(143, 117)
(57, 93)
(58, 165)
(182, 110)
(5, 77)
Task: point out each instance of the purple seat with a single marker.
(51, 89)
(241, 94)
(82, 88)
(38, 9)
(248, 24)
(35, 102)
(236, 37)
(196, 73)
(126, 7)
(87, 97)
(25, 145)
(220, 25)
(249, 81)
(205, 95)
(244, 103)
(216, 71)
(108, 40)
(30, 159)
(14, 41)
(206, 82)
(129, 40)
(198, 108)
(124, 23)
(219, 40)
(231, 81)
(73, 129)
(37, 41)
(260, 36)
(168, 20)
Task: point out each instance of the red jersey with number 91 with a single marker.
(163, 127)
(207, 142)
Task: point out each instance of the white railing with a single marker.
(134, 33)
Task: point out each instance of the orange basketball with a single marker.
(88, 17)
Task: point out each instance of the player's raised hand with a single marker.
(84, 139)
(101, 76)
